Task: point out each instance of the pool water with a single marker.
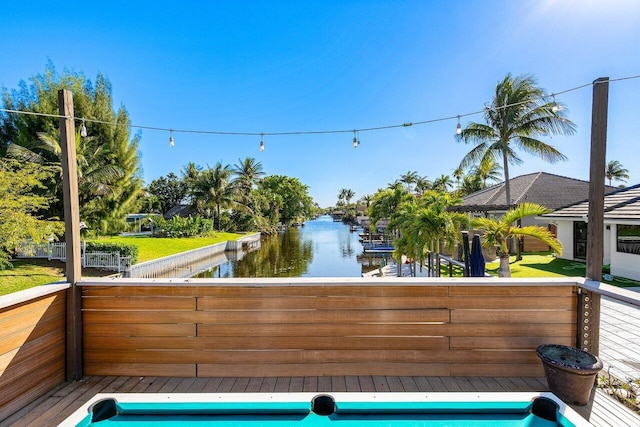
(399, 409)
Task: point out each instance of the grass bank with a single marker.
(157, 247)
(27, 273)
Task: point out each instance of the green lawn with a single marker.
(28, 273)
(545, 265)
(157, 247)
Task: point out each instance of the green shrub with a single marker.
(182, 227)
(123, 248)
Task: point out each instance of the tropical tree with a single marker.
(109, 166)
(426, 225)
(385, 202)
(458, 173)
(248, 173)
(488, 169)
(169, 191)
(19, 207)
(499, 232)
(518, 115)
(289, 196)
(443, 183)
(408, 179)
(615, 171)
(423, 184)
(213, 191)
(348, 195)
(190, 174)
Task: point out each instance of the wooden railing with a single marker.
(275, 327)
(32, 345)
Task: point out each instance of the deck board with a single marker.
(62, 401)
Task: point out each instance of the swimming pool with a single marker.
(313, 409)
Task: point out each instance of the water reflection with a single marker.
(322, 248)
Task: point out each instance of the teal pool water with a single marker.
(358, 414)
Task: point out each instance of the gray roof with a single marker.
(621, 205)
(546, 189)
(183, 211)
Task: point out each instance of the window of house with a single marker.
(629, 239)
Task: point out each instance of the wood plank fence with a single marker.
(267, 328)
(32, 346)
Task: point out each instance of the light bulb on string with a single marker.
(458, 128)
(171, 141)
(261, 142)
(355, 140)
(555, 107)
(83, 130)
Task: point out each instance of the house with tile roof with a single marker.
(546, 189)
(621, 231)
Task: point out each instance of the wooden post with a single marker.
(595, 224)
(72, 234)
(589, 302)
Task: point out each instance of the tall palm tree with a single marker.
(408, 179)
(213, 189)
(443, 183)
(458, 173)
(248, 172)
(518, 115)
(190, 174)
(615, 171)
(348, 195)
(423, 184)
(499, 232)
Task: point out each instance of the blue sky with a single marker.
(260, 66)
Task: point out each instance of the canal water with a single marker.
(320, 248)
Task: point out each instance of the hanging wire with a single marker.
(316, 132)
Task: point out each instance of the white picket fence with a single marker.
(58, 251)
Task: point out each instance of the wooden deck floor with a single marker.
(52, 409)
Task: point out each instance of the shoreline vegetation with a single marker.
(28, 273)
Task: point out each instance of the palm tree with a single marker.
(615, 171)
(348, 195)
(443, 183)
(423, 184)
(458, 173)
(488, 169)
(248, 173)
(411, 177)
(519, 113)
(213, 189)
(499, 232)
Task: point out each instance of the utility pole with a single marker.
(72, 234)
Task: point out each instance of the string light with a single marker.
(458, 128)
(83, 130)
(318, 132)
(555, 107)
(261, 142)
(355, 140)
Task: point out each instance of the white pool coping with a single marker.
(564, 409)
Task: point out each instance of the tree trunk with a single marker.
(505, 167)
(505, 268)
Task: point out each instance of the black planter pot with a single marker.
(570, 372)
